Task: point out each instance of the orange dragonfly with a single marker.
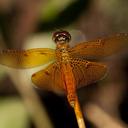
(70, 69)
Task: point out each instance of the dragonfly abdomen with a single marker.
(70, 84)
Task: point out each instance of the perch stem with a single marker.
(79, 115)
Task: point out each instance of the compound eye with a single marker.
(61, 37)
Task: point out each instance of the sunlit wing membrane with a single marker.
(49, 79)
(100, 48)
(26, 58)
(86, 72)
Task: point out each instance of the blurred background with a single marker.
(28, 24)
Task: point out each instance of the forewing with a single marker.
(100, 48)
(49, 78)
(26, 58)
(86, 72)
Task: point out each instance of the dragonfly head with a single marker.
(61, 37)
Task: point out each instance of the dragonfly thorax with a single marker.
(62, 53)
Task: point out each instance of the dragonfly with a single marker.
(69, 69)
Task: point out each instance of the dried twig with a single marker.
(79, 115)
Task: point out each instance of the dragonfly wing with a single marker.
(86, 72)
(100, 48)
(49, 78)
(26, 58)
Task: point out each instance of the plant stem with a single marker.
(79, 115)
